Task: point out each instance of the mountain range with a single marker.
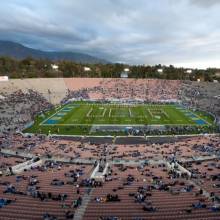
(19, 51)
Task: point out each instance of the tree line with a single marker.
(34, 68)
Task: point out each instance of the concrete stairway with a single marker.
(81, 210)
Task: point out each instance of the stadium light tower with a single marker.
(125, 72)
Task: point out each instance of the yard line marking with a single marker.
(129, 112)
(109, 114)
(89, 112)
(104, 112)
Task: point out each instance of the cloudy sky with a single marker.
(179, 32)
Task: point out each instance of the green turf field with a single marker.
(79, 117)
(108, 114)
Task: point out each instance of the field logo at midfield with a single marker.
(99, 113)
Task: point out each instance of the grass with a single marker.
(79, 117)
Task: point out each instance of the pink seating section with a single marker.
(185, 149)
(151, 89)
(168, 205)
(27, 207)
(171, 204)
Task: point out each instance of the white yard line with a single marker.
(89, 112)
(104, 112)
(150, 113)
(165, 113)
(130, 112)
(109, 114)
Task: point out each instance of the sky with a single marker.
(178, 32)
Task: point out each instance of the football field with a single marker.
(122, 114)
(92, 118)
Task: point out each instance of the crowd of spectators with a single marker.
(201, 95)
(19, 108)
(130, 89)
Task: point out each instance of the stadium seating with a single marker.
(143, 180)
(130, 177)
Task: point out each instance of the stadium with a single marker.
(110, 110)
(101, 148)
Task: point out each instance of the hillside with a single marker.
(18, 51)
